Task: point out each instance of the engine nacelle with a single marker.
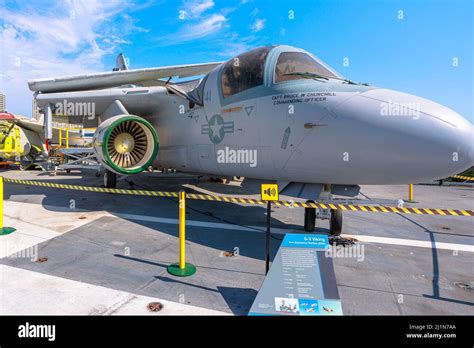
(126, 144)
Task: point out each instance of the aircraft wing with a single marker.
(146, 77)
(30, 124)
(105, 103)
(22, 122)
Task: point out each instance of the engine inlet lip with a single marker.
(107, 135)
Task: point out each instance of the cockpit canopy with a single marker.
(248, 70)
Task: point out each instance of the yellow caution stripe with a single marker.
(467, 178)
(92, 188)
(244, 200)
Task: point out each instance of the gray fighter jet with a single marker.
(275, 113)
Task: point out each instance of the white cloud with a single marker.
(194, 8)
(195, 30)
(66, 38)
(233, 49)
(254, 12)
(204, 28)
(234, 44)
(258, 25)
(196, 23)
(199, 23)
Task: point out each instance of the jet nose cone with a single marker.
(421, 140)
(448, 135)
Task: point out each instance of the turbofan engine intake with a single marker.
(126, 144)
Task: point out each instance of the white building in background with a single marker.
(3, 103)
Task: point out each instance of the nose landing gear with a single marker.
(335, 221)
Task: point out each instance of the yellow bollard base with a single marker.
(6, 230)
(188, 270)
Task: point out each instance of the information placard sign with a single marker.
(301, 280)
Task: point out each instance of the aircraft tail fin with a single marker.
(120, 63)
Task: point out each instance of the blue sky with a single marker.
(420, 47)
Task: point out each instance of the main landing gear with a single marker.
(309, 218)
(110, 179)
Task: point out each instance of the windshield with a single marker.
(299, 65)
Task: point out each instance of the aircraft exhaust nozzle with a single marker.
(126, 144)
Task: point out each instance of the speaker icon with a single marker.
(269, 192)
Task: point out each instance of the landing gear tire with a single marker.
(309, 218)
(110, 179)
(335, 224)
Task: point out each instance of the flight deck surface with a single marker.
(98, 253)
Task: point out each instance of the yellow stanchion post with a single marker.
(410, 194)
(182, 269)
(182, 230)
(3, 230)
(67, 138)
(60, 140)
